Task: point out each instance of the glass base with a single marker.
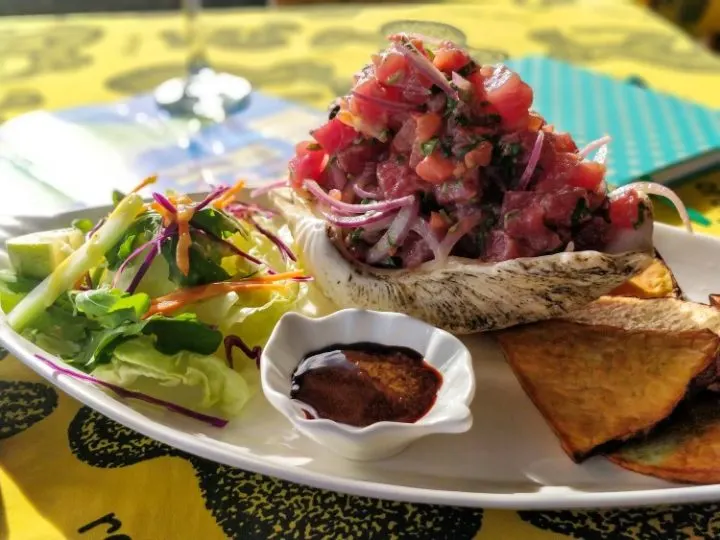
(206, 95)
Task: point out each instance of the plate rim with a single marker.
(544, 498)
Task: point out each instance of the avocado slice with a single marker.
(36, 255)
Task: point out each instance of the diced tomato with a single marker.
(435, 168)
(479, 156)
(449, 59)
(304, 147)
(561, 142)
(427, 126)
(588, 175)
(392, 69)
(307, 165)
(511, 97)
(334, 136)
(625, 210)
(478, 84)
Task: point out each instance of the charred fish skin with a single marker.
(463, 296)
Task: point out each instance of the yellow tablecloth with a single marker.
(66, 472)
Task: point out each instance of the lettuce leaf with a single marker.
(208, 382)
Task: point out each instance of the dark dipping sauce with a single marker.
(363, 383)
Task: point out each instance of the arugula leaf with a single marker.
(217, 223)
(111, 307)
(205, 262)
(144, 228)
(429, 146)
(182, 333)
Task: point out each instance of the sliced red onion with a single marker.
(601, 155)
(532, 162)
(396, 234)
(454, 236)
(422, 227)
(284, 249)
(362, 220)
(363, 193)
(232, 341)
(162, 201)
(570, 247)
(424, 65)
(461, 82)
(384, 102)
(602, 141)
(652, 188)
(262, 190)
(124, 392)
(314, 188)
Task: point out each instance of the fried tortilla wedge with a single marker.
(662, 314)
(685, 449)
(715, 300)
(597, 385)
(656, 281)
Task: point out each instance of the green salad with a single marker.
(169, 301)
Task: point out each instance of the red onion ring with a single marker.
(363, 220)
(396, 233)
(533, 161)
(453, 237)
(461, 82)
(422, 228)
(313, 187)
(594, 145)
(400, 107)
(424, 65)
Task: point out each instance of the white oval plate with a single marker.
(509, 459)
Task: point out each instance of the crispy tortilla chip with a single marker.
(685, 449)
(715, 300)
(667, 314)
(598, 384)
(656, 281)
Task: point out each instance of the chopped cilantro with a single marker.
(366, 201)
(395, 77)
(467, 69)
(581, 212)
(641, 216)
(450, 106)
(429, 146)
(462, 120)
(356, 235)
(511, 215)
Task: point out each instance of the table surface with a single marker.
(66, 472)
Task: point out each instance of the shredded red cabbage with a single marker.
(233, 248)
(241, 209)
(162, 201)
(95, 228)
(123, 392)
(284, 249)
(214, 194)
(235, 341)
(150, 257)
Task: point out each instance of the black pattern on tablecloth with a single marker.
(248, 505)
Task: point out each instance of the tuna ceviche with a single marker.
(432, 154)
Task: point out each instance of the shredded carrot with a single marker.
(160, 209)
(145, 183)
(228, 197)
(182, 255)
(166, 304)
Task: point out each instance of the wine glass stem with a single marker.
(196, 59)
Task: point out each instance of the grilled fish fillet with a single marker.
(463, 296)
